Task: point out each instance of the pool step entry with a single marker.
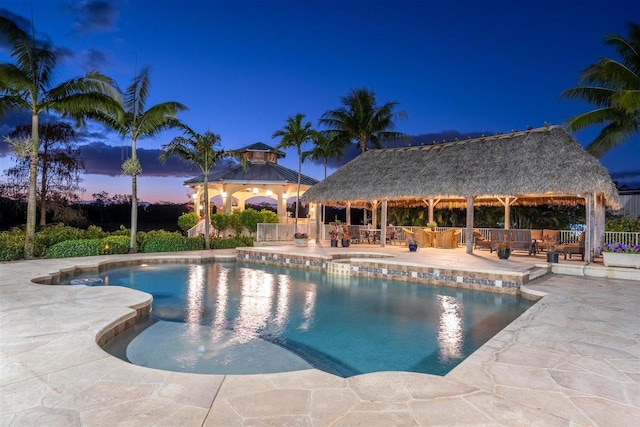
(539, 271)
(339, 268)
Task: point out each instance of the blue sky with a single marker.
(242, 67)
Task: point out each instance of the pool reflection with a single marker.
(450, 328)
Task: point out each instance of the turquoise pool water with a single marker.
(242, 318)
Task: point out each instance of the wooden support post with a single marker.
(383, 224)
(469, 230)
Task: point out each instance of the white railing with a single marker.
(268, 232)
(628, 238)
(284, 232)
(196, 230)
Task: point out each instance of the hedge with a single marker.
(74, 248)
(172, 243)
(11, 245)
(231, 243)
(114, 245)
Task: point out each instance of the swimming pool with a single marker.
(240, 318)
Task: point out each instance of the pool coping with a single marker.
(569, 374)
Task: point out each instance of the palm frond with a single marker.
(611, 136)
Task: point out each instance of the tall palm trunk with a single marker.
(207, 217)
(30, 235)
(134, 201)
(295, 223)
(43, 187)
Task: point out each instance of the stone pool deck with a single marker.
(572, 359)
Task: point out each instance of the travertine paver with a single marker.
(572, 359)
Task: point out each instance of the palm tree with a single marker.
(198, 150)
(27, 85)
(295, 134)
(613, 87)
(136, 122)
(326, 146)
(362, 120)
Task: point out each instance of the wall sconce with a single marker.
(284, 196)
(269, 192)
(255, 190)
(195, 196)
(224, 194)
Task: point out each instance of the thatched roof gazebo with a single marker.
(538, 166)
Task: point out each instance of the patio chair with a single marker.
(354, 231)
(408, 233)
(454, 238)
(391, 234)
(444, 239)
(573, 248)
(429, 237)
(479, 241)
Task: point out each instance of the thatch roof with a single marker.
(545, 165)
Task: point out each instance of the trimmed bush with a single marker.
(74, 248)
(11, 245)
(56, 233)
(249, 219)
(232, 242)
(269, 216)
(188, 220)
(194, 244)
(114, 245)
(167, 243)
(95, 232)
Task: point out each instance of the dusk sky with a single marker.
(243, 66)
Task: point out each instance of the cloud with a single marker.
(93, 59)
(102, 159)
(96, 16)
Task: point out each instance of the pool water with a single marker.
(239, 318)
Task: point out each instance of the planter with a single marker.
(301, 242)
(504, 253)
(345, 243)
(334, 243)
(552, 257)
(621, 259)
(413, 248)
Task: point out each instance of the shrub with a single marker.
(163, 241)
(95, 232)
(623, 224)
(194, 243)
(220, 221)
(188, 220)
(236, 223)
(232, 242)
(55, 233)
(269, 216)
(11, 245)
(74, 248)
(113, 245)
(249, 219)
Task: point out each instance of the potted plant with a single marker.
(432, 225)
(618, 254)
(346, 238)
(301, 239)
(504, 250)
(412, 242)
(335, 233)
